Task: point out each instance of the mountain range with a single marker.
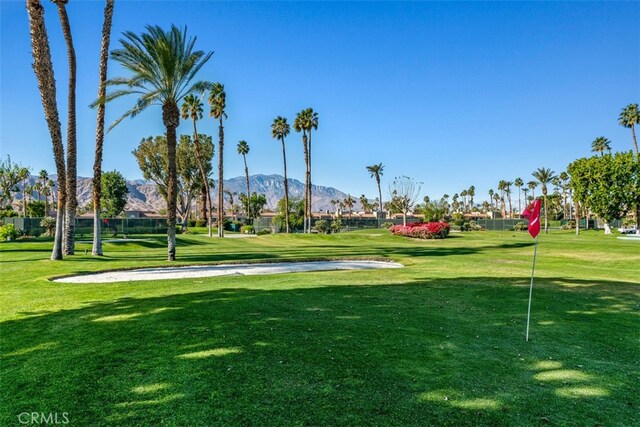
(144, 196)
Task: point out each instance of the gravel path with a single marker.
(196, 271)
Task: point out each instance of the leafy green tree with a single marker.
(218, 103)
(35, 209)
(600, 145)
(544, 177)
(114, 194)
(376, 172)
(256, 203)
(10, 177)
(434, 210)
(279, 130)
(151, 155)
(162, 65)
(322, 226)
(609, 186)
(295, 214)
(243, 150)
(629, 117)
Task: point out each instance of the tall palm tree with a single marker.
(43, 68)
(96, 249)
(218, 103)
(312, 124)
(24, 177)
(243, 150)
(629, 117)
(532, 186)
(279, 130)
(600, 145)
(72, 198)
(300, 124)
(192, 109)
(544, 177)
(376, 172)
(162, 65)
(43, 178)
(463, 194)
(502, 186)
(519, 183)
(491, 193)
(507, 191)
(471, 192)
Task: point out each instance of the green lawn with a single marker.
(439, 342)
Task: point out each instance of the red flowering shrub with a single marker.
(422, 230)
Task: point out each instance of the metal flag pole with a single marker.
(533, 269)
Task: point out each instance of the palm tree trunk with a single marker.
(246, 175)
(286, 189)
(379, 197)
(96, 250)
(203, 175)
(220, 180)
(310, 215)
(171, 119)
(43, 69)
(633, 134)
(546, 218)
(72, 199)
(305, 147)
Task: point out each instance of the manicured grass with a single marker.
(440, 342)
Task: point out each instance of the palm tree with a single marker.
(491, 193)
(463, 194)
(348, 203)
(163, 64)
(544, 176)
(519, 183)
(312, 124)
(629, 117)
(600, 144)
(24, 177)
(300, 124)
(532, 186)
(43, 178)
(502, 186)
(243, 150)
(376, 172)
(471, 192)
(218, 103)
(507, 191)
(43, 69)
(192, 109)
(279, 130)
(96, 249)
(72, 199)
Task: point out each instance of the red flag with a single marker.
(532, 213)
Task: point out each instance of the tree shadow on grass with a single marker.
(432, 352)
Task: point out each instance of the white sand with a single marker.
(196, 271)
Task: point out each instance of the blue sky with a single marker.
(452, 94)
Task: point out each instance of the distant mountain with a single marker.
(144, 196)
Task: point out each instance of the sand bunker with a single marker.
(196, 271)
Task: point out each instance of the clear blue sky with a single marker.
(453, 94)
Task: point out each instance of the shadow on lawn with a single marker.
(433, 352)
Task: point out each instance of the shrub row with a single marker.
(422, 230)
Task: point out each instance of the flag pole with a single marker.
(533, 269)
